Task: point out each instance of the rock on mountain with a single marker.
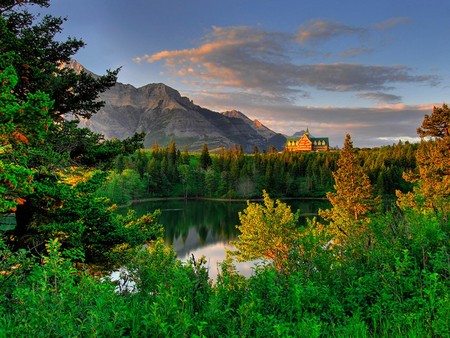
(256, 125)
(162, 114)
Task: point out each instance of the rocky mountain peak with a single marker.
(73, 64)
(164, 97)
(255, 125)
(163, 114)
(259, 124)
(77, 67)
(160, 90)
(235, 114)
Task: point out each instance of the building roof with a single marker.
(312, 139)
(321, 139)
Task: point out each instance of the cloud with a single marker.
(321, 30)
(272, 64)
(396, 139)
(351, 77)
(269, 76)
(392, 22)
(355, 51)
(369, 126)
(380, 97)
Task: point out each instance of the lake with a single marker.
(205, 227)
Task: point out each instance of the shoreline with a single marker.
(151, 199)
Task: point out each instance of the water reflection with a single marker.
(206, 228)
(195, 223)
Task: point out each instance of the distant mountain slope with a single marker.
(256, 125)
(298, 134)
(162, 113)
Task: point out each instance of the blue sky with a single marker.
(370, 68)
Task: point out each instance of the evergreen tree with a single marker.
(432, 190)
(352, 199)
(185, 157)
(59, 160)
(171, 154)
(22, 125)
(436, 125)
(205, 160)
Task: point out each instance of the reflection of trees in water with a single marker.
(202, 234)
(211, 221)
(208, 222)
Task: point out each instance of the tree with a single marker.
(437, 124)
(432, 190)
(48, 164)
(7, 5)
(22, 124)
(185, 157)
(184, 171)
(172, 161)
(205, 160)
(268, 231)
(352, 199)
(40, 62)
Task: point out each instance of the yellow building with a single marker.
(307, 143)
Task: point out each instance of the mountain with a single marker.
(162, 114)
(255, 124)
(298, 134)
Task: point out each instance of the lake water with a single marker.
(203, 227)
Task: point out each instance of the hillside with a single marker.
(162, 114)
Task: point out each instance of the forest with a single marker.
(230, 173)
(376, 263)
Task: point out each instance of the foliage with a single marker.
(122, 187)
(55, 299)
(81, 221)
(234, 174)
(432, 190)
(352, 200)
(39, 60)
(392, 294)
(205, 159)
(437, 124)
(48, 176)
(267, 232)
(397, 286)
(392, 281)
(22, 125)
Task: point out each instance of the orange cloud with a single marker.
(401, 106)
(319, 30)
(252, 60)
(224, 38)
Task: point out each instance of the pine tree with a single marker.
(185, 157)
(52, 160)
(22, 125)
(437, 124)
(205, 160)
(352, 199)
(432, 190)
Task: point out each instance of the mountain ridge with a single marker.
(163, 114)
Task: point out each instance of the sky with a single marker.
(369, 68)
